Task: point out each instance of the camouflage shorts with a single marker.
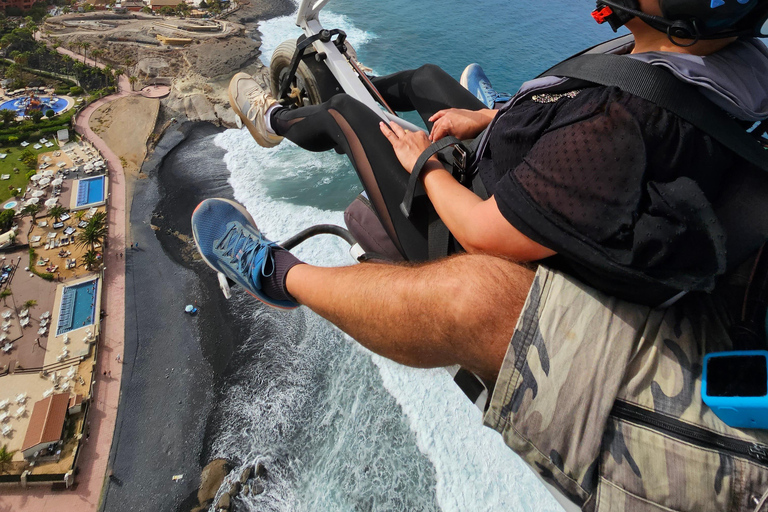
(577, 360)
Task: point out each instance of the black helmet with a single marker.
(692, 19)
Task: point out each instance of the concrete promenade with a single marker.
(94, 457)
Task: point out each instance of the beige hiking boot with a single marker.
(251, 102)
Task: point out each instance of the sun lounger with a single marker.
(66, 216)
(23, 313)
(7, 347)
(5, 176)
(5, 417)
(7, 429)
(24, 321)
(37, 146)
(49, 144)
(43, 223)
(21, 398)
(48, 392)
(21, 411)
(24, 144)
(4, 404)
(7, 314)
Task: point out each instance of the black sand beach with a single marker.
(173, 362)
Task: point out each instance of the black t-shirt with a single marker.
(619, 187)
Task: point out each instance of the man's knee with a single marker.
(427, 76)
(486, 293)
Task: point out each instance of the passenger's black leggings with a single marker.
(345, 124)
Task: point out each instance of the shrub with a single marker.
(6, 220)
(75, 90)
(49, 113)
(30, 174)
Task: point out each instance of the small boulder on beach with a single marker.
(210, 480)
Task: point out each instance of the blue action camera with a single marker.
(735, 386)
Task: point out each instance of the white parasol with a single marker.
(38, 193)
(34, 200)
(48, 174)
(50, 203)
(57, 182)
(44, 182)
(34, 178)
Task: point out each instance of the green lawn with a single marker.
(12, 160)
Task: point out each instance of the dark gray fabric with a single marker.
(735, 78)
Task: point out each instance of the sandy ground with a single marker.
(134, 115)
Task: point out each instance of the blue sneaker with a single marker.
(231, 244)
(477, 82)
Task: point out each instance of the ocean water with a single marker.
(339, 428)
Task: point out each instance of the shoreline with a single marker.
(188, 358)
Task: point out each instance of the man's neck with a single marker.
(648, 39)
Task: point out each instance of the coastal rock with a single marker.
(211, 479)
(224, 502)
(261, 470)
(246, 490)
(257, 488)
(234, 489)
(246, 475)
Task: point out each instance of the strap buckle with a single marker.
(460, 163)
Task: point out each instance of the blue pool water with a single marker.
(19, 104)
(90, 191)
(10, 205)
(78, 306)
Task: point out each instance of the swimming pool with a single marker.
(78, 306)
(19, 105)
(10, 205)
(90, 191)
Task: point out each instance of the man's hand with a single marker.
(408, 145)
(462, 124)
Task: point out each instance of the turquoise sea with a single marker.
(339, 428)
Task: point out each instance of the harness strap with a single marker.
(662, 88)
(428, 153)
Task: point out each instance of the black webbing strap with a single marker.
(660, 87)
(428, 153)
(438, 238)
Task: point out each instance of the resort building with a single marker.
(156, 5)
(21, 4)
(46, 427)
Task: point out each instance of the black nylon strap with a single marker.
(428, 153)
(660, 87)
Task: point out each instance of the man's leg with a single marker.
(459, 310)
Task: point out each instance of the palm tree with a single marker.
(132, 79)
(29, 304)
(57, 212)
(6, 456)
(8, 117)
(31, 210)
(92, 234)
(4, 295)
(90, 259)
(85, 45)
(95, 54)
